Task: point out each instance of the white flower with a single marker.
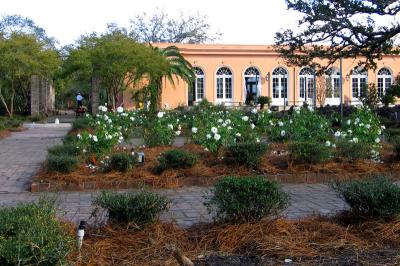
(349, 131)
(254, 110)
(132, 118)
(95, 138)
(84, 150)
(220, 120)
(283, 133)
(177, 132)
(160, 114)
(205, 149)
(194, 130)
(348, 122)
(103, 108)
(379, 131)
(383, 127)
(229, 128)
(290, 121)
(238, 135)
(269, 111)
(368, 126)
(377, 140)
(214, 130)
(208, 136)
(90, 136)
(120, 109)
(228, 121)
(337, 134)
(252, 126)
(355, 140)
(217, 137)
(121, 138)
(257, 140)
(170, 126)
(296, 109)
(79, 136)
(333, 145)
(310, 109)
(280, 123)
(245, 118)
(327, 143)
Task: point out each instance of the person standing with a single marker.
(79, 100)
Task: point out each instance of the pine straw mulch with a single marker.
(211, 168)
(4, 133)
(310, 240)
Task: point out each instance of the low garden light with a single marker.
(81, 233)
(140, 157)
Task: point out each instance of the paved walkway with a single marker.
(22, 154)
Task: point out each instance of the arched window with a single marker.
(279, 84)
(359, 79)
(198, 84)
(307, 85)
(332, 83)
(252, 84)
(224, 83)
(384, 81)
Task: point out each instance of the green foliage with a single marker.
(247, 153)
(310, 152)
(61, 163)
(372, 197)
(81, 123)
(176, 159)
(66, 149)
(30, 234)
(13, 123)
(159, 130)
(139, 208)
(121, 161)
(369, 95)
(396, 145)
(352, 150)
(70, 139)
(241, 199)
(264, 100)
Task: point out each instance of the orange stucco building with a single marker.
(234, 74)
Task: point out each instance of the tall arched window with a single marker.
(359, 79)
(279, 86)
(384, 81)
(332, 92)
(224, 84)
(196, 90)
(251, 81)
(307, 85)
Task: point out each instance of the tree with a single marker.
(332, 29)
(178, 67)
(369, 96)
(11, 24)
(159, 27)
(323, 87)
(23, 55)
(116, 59)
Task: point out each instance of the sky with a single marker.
(240, 22)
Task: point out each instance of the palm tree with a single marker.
(178, 67)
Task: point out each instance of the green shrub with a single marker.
(61, 163)
(156, 133)
(121, 162)
(353, 151)
(373, 197)
(240, 199)
(310, 152)
(175, 159)
(66, 149)
(396, 145)
(31, 235)
(140, 208)
(13, 123)
(247, 153)
(81, 123)
(70, 139)
(391, 132)
(36, 118)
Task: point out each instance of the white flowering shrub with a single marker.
(213, 128)
(362, 126)
(161, 129)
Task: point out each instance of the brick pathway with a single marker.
(22, 154)
(187, 203)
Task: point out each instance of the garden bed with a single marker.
(276, 165)
(309, 241)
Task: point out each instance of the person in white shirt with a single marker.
(79, 100)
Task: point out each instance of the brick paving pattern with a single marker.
(22, 154)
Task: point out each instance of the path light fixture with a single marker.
(140, 157)
(81, 233)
